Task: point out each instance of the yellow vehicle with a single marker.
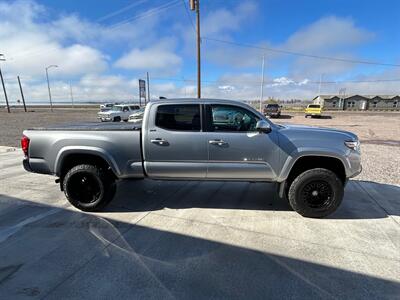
(313, 110)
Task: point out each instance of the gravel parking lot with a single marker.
(379, 134)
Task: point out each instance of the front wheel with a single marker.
(316, 193)
(88, 188)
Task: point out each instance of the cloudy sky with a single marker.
(102, 48)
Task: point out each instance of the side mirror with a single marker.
(263, 126)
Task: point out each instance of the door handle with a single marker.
(159, 141)
(217, 142)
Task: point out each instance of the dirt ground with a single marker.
(379, 133)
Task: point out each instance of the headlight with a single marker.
(354, 145)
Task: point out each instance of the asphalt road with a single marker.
(193, 240)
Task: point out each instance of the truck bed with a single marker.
(119, 144)
(90, 126)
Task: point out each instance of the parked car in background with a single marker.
(197, 139)
(272, 110)
(106, 106)
(313, 110)
(118, 113)
(137, 116)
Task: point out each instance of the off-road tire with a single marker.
(89, 188)
(316, 193)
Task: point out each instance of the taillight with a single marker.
(25, 145)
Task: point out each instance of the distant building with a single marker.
(359, 102)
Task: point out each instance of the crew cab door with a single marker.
(236, 150)
(174, 144)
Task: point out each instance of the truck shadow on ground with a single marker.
(284, 116)
(83, 255)
(362, 200)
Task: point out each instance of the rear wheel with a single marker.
(316, 193)
(88, 188)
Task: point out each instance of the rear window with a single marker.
(314, 106)
(272, 105)
(134, 107)
(181, 117)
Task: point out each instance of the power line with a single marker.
(121, 10)
(146, 14)
(300, 54)
(188, 15)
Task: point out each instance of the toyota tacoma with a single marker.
(196, 139)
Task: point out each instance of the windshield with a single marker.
(272, 105)
(117, 108)
(314, 106)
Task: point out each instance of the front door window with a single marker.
(228, 118)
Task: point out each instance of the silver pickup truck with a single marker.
(192, 139)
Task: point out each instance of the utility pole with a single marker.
(195, 5)
(319, 87)
(72, 96)
(22, 93)
(262, 82)
(148, 89)
(2, 81)
(48, 84)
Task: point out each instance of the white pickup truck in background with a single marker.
(118, 113)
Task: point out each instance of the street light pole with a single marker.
(48, 84)
(262, 82)
(2, 81)
(319, 86)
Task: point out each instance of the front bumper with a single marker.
(104, 118)
(356, 173)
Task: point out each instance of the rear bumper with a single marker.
(26, 165)
(36, 165)
(272, 113)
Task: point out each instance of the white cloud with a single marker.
(224, 21)
(160, 57)
(327, 35)
(29, 45)
(220, 23)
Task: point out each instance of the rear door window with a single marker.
(179, 117)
